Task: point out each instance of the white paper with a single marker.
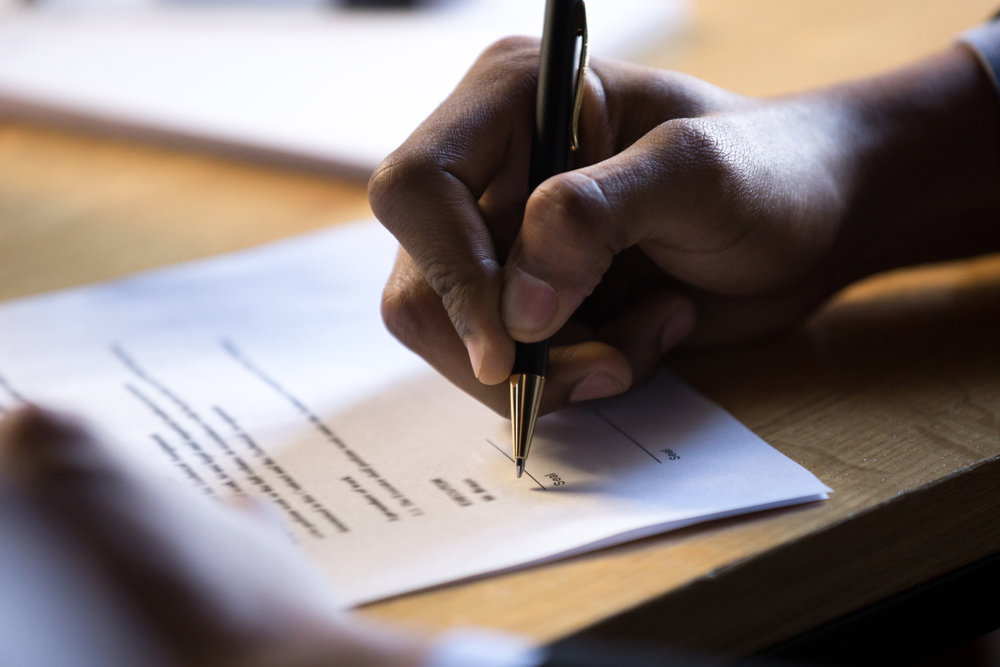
(328, 88)
(269, 372)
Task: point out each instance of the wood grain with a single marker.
(889, 395)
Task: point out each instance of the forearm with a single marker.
(925, 178)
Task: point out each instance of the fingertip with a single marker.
(679, 323)
(649, 329)
(32, 437)
(497, 360)
(529, 305)
(595, 386)
(583, 372)
(476, 353)
(31, 424)
(25, 418)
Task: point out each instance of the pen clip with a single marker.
(579, 30)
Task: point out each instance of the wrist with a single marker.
(924, 154)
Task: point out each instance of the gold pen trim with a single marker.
(581, 74)
(525, 397)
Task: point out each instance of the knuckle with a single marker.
(411, 301)
(395, 176)
(575, 202)
(578, 196)
(578, 224)
(711, 162)
(507, 70)
(704, 151)
(458, 289)
(697, 141)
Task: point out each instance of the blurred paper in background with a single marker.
(328, 88)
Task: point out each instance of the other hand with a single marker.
(214, 584)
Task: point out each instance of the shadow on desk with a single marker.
(891, 395)
(907, 332)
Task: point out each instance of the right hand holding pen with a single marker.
(692, 214)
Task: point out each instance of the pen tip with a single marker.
(520, 467)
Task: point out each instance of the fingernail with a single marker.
(529, 303)
(476, 353)
(679, 325)
(594, 386)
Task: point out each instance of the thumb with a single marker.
(576, 222)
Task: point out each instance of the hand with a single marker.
(692, 214)
(213, 584)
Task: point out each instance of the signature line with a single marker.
(512, 460)
(633, 440)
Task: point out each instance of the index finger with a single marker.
(427, 194)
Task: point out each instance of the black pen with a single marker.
(561, 71)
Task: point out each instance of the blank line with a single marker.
(512, 461)
(633, 440)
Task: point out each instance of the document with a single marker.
(268, 372)
(335, 89)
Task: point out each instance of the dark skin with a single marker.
(213, 583)
(693, 215)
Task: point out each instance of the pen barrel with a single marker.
(531, 358)
(554, 100)
(551, 139)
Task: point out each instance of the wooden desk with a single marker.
(890, 395)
